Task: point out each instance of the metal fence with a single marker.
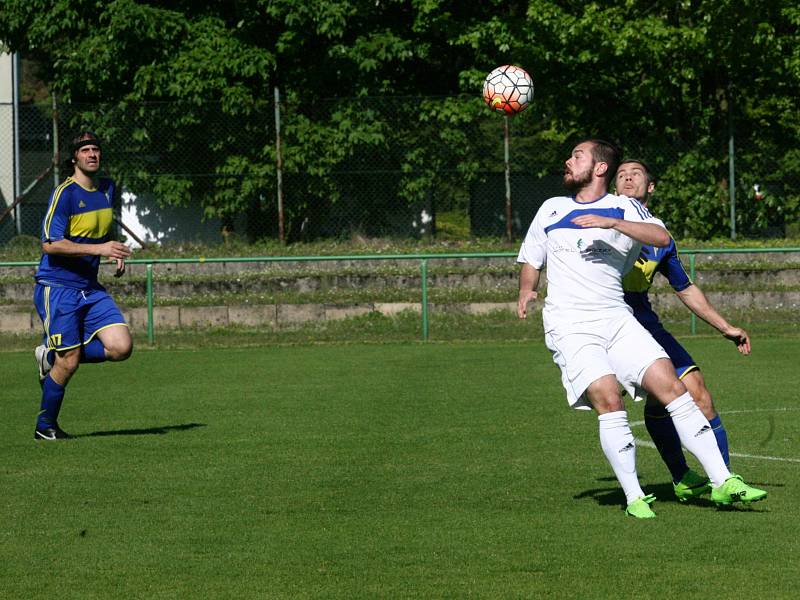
(765, 294)
(361, 166)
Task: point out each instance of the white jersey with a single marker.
(584, 265)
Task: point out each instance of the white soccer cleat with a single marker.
(42, 362)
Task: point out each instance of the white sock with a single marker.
(698, 437)
(616, 438)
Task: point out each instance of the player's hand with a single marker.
(120, 267)
(522, 303)
(114, 250)
(595, 221)
(740, 338)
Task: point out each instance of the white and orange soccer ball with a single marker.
(508, 90)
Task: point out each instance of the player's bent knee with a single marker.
(606, 402)
(67, 362)
(677, 388)
(120, 351)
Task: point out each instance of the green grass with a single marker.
(400, 470)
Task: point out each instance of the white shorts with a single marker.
(587, 351)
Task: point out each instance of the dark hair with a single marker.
(648, 174)
(607, 152)
(83, 138)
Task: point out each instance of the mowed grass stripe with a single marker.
(444, 470)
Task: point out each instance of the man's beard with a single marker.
(575, 183)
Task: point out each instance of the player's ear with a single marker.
(600, 169)
(650, 187)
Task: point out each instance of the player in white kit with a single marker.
(588, 241)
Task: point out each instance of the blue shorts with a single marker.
(72, 317)
(680, 358)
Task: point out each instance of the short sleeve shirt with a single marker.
(80, 215)
(585, 266)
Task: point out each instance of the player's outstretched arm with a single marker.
(114, 250)
(528, 283)
(646, 233)
(696, 301)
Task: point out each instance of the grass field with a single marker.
(404, 470)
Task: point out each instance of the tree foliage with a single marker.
(188, 85)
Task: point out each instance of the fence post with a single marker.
(15, 68)
(506, 155)
(691, 276)
(279, 165)
(731, 170)
(150, 329)
(424, 277)
(56, 143)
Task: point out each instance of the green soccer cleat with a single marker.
(736, 490)
(641, 508)
(691, 485)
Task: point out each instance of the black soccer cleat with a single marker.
(51, 433)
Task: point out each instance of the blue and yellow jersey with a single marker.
(83, 216)
(639, 279)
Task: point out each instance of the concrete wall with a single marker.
(14, 319)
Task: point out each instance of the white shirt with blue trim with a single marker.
(584, 265)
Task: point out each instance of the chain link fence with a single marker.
(421, 167)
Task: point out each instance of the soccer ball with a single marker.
(508, 90)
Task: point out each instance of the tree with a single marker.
(183, 92)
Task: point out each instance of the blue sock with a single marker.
(52, 397)
(722, 438)
(93, 352)
(665, 437)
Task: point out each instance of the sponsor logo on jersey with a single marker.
(578, 248)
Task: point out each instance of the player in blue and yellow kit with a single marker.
(81, 321)
(634, 179)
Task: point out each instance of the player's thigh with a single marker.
(632, 350)
(661, 381)
(117, 340)
(62, 315)
(581, 356)
(104, 320)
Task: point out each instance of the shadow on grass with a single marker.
(663, 493)
(606, 496)
(614, 495)
(148, 431)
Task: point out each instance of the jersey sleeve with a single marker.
(634, 211)
(56, 221)
(534, 247)
(672, 268)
